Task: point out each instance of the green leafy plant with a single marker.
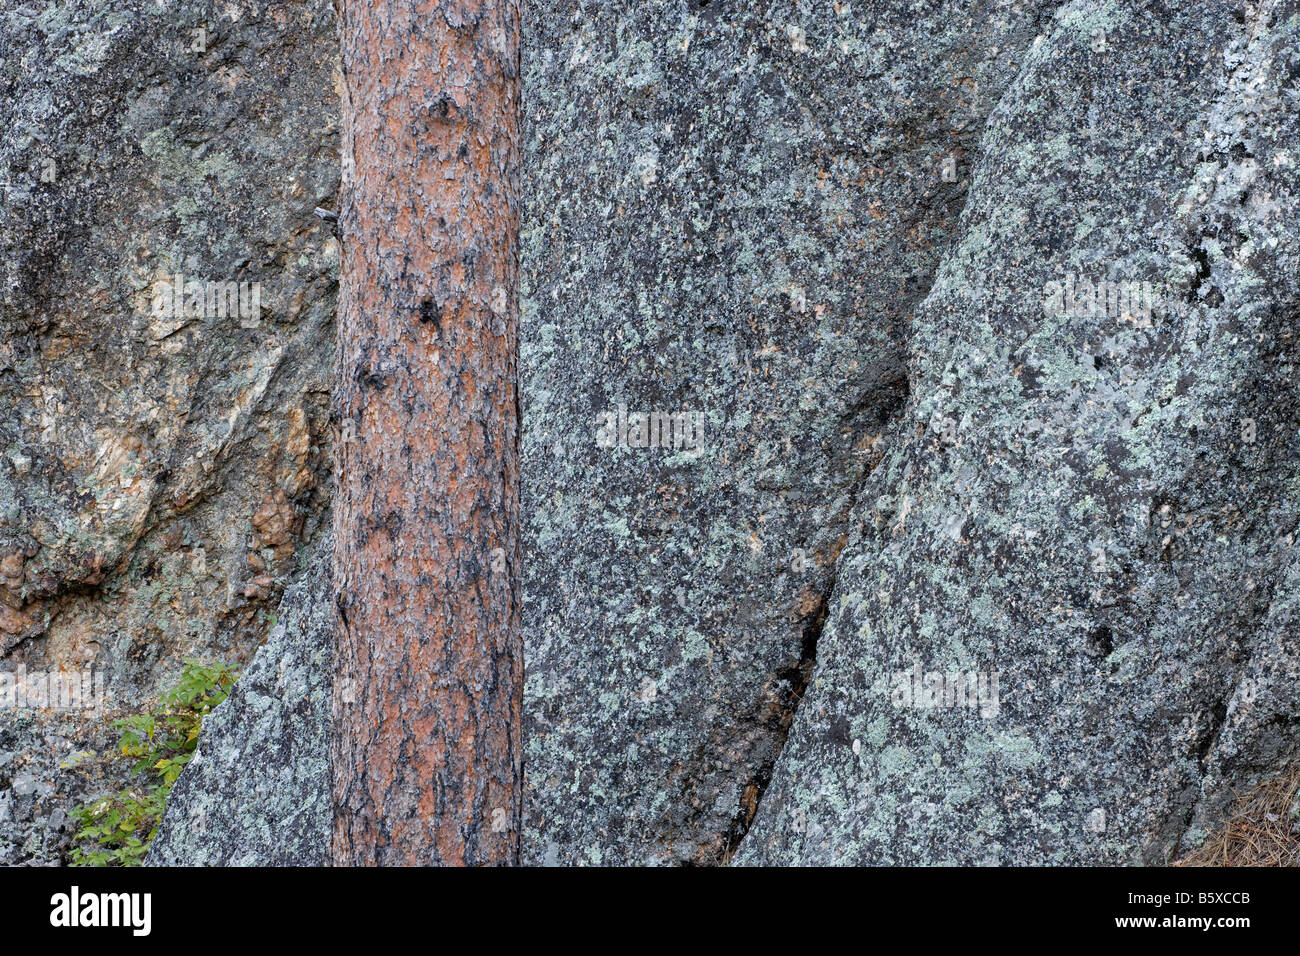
(116, 829)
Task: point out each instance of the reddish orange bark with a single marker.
(429, 664)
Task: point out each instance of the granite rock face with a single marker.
(257, 790)
(162, 456)
(732, 212)
(1088, 507)
(47, 762)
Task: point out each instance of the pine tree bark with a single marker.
(428, 695)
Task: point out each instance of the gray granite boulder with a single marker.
(732, 212)
(1089, 505)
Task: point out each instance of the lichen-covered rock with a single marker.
(162, 449)
(1090, 503)
(47, 765)
(257, 791)
(731, 211)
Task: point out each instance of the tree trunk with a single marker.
(428, 696)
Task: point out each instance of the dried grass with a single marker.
(1260, 831)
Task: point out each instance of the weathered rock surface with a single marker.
(47, 760)
(158, 469)
(257, 790)
(1109, 522)
(734, 211)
